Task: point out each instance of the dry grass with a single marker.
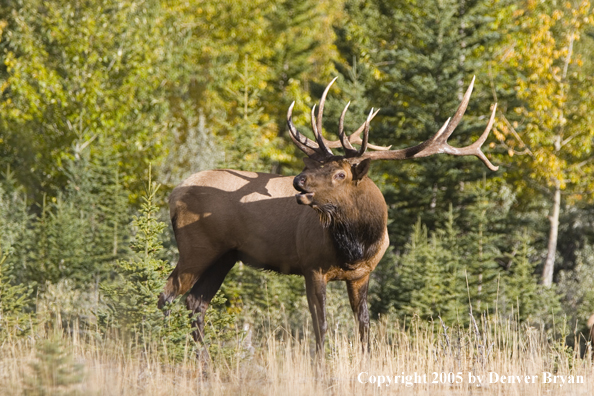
(283, 365)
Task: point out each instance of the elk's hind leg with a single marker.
(206, 287)
(170, 291)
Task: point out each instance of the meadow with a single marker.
(416, 358)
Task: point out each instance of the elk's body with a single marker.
(334, 228)
(223, 216)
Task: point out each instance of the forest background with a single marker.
(106, 105)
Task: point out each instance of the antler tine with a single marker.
(366, 134)
(322, 102)
(313, 121)
(437, 136)
(317, 132)
(483, 137)
(459, 112)
(320, 149)
(305, 144)
(346, 145)
(354, 138)
(355, 135)
(476, 146)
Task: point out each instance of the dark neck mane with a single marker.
(357, 235)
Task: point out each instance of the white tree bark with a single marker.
(549, 267)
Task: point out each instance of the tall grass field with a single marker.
(492, 356)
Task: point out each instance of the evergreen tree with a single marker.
(460, 264)
(416, 58)
(384, 286)
(54, 371)
(249, 139)
(15, 296)
(59, 248)
(220, 330)
(263, 299)
(479, 248)
(301, 50)
(195, 147)
(576, 288)
(95, 185)
(520, 293)
(421, 275)
(425, 279)
(14, 299)
(81, 232)
(132, 297)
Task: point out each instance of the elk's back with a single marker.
(255, 214)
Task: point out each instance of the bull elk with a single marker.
(334, 228)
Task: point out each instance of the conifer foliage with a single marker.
(132, 296)
(457, 269)
(54, 372)
(13, 301)
(15, 297)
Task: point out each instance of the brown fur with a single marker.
(223, 216)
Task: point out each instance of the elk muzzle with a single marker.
(304, 197)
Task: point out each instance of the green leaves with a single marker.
(555, 95)
(75, 73)
(551, 128)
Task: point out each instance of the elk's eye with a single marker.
(340, 176)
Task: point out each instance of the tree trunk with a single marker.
(547, 271)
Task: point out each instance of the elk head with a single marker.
(328, 177)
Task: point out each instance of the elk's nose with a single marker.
(299, 182)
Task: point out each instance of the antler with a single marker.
(316, 150)
(438, 143)
(320, 149)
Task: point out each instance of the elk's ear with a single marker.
(360, 170)
(311, 164)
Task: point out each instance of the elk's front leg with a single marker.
(357, 290)
(315, 286)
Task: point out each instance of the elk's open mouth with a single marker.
(304, 198)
